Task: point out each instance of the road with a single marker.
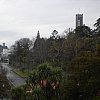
(15, 79)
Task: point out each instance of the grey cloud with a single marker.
(28, 16)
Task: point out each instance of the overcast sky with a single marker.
(23, 18)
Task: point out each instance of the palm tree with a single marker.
(38, 93)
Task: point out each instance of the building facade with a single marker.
(4, 52)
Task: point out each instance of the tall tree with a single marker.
(84, 71)
(39, 50)
(21, 52)
(97, 25)
(82, 31)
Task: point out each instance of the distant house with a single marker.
(3, 47)
(4, 52)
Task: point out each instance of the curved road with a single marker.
(15, 79)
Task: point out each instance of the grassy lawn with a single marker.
(22, 74)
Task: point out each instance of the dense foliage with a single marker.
(42, 84)
(4, 87)
(62, 67)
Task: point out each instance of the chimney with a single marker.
(3, 44)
